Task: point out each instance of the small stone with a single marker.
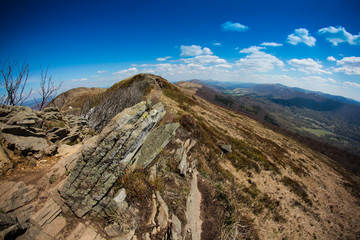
(226, 148)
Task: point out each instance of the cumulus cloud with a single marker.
(308, 65)
(258, 61)
(348, 65)
(234, 27)
(163, 59)
(271, 44)
(101, 71)
(352, 84)
(301, 35)
(337, 35)
(204, 60)
(127, 72)
(331, 59)
(216, 44)
(251, 49)
(194, 50)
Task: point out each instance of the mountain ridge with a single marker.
(245, 180)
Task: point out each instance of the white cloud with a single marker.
(301, 35)
(163, 59)
(337, 35)
(194, 50)
(349, 65)
(83, 79)
(204, 60)
(331, 59)
(271, 44)
(127, 72)
(101, 71)
(258, 61)
(308, 65)
(251, 49)
(352, 84)
(234, 27)
(216, 44)
(223, 66)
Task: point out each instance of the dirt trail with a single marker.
(193, 209)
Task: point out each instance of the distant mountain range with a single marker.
(275, 90)
(330, 124)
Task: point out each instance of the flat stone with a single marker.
(88, 234)
(55, 227)
(46, 214)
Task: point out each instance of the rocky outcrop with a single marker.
(28, 134)
(104, 159)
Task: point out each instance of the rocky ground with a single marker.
(174, 168)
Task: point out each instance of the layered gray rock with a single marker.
(105, 157)
(24, 116)
(154, 144)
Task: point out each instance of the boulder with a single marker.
(51, 150)
(105, 157)
(25, 144)
(226, 148)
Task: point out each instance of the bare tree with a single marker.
(48, 89)
(14, 79)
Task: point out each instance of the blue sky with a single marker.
(309, 44)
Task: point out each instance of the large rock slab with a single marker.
(154, 144)
(104, 158)
(25, 144)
